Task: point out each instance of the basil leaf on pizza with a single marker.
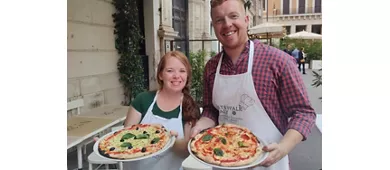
(127, 136)
(155, 140)
(142, 136)
(223, 140)
(207, 137)
(218, 152)
(126, 144)
(135, 141)
(226, 145)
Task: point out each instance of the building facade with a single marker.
(294, 15)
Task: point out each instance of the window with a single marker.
(263, 4)
(317, 6)
(316, 29)
(300, 28)
(288, 30)
(301, 7)
(286, 6)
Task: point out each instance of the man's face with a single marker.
(289, 47)
(230, 23)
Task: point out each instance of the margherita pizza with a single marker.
(135, 141)
(226, 145)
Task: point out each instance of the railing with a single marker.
(210, 45)
(300, 10)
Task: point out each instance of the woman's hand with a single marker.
(173, 133)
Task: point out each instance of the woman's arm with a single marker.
(133, 117)
(180, 146)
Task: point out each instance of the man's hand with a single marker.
(285, 146)
(203, 123)
(276, 152)
(195, 130)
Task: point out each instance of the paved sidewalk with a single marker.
(308, 154)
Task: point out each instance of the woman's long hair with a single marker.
(190, 110)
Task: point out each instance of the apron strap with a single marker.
(250, 61)
(155, 99)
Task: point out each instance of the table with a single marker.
(86, 125)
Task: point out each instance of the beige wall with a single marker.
(92, 57)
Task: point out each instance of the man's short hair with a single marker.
(215, 3)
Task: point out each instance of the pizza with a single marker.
(135, 141)
(226, 145)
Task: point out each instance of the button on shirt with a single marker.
(277, 82)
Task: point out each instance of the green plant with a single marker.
(212, 53)
(317, 79)
(197, 61)
(127, 39)
(247, 4)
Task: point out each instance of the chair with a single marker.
(93, 158)
(77, 104)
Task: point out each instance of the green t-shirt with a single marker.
(143, 100)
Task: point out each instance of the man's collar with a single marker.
(245, 49)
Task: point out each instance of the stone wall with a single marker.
(92, 57)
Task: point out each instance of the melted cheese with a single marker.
(136, 143)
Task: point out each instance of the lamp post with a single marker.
(267, 11)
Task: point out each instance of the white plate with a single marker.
(165, 148)
(260, 159)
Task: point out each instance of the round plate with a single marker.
(260, 159)
(165, 148)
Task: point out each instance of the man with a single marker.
(295, 54)
(266, 87)
(288, 50)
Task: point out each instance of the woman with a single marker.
(172, 106)
(302, 57)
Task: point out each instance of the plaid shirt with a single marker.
(278, 84)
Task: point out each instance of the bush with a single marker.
(197, 61)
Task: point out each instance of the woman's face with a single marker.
(174, 75)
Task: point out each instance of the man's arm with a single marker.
(295, 101)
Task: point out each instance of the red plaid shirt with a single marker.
(278, 85)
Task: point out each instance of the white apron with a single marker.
(168, 160)
(236, 99)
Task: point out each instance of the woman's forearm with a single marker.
(180, 147)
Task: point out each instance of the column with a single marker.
(308, 27)
(293, 27)
(166, 31)
(152, 41)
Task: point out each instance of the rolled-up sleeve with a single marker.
(208, 81)
(295, 101)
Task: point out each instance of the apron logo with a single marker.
(246, 101)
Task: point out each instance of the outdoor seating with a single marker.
(83, 127)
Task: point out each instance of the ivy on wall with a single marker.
(127, 40)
